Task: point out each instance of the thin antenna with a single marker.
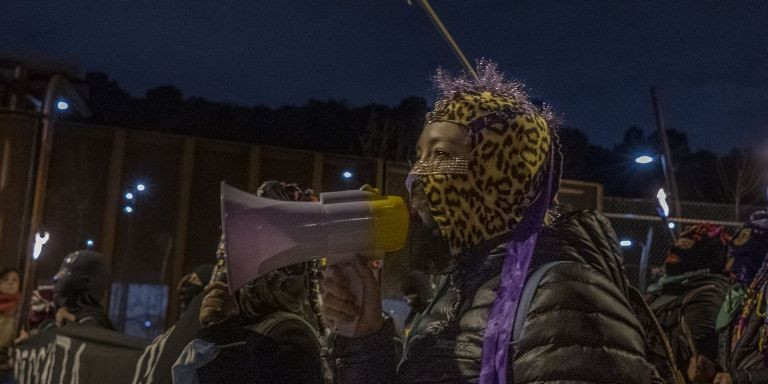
(447, 36)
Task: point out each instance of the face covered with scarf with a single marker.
(698, 247)
(749, 247)
(480, 157)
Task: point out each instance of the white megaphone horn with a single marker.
(262, 235)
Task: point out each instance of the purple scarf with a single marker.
(498, 329)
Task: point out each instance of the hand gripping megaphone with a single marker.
(262, 235)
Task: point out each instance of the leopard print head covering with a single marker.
(485, 194)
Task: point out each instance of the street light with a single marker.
(140, 187)
(645, 159)
(89, 243)
(626, 243)
(129, 196)
(128, 209)
(62, 105)
(347, 174)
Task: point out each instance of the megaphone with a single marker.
(262, 235)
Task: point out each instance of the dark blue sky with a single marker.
(593, 60)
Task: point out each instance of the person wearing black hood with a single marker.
(688, 297)
(741, 323)
(79, 286)
(267, 333)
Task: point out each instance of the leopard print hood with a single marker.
(486, 194)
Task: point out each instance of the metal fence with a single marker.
(641, 229)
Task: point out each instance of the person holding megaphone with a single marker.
(530, 294)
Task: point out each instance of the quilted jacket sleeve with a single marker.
(580, 328)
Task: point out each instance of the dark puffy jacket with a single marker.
(696, 300)
(286, 352)
(743, 361)
(580, 326)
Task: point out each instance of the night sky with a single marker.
(594, 61)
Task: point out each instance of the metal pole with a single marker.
(41, 183)
(448, 38)
(666, 159)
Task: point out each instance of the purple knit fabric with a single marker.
(498, 329)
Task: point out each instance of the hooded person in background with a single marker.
(687, 299)
(193, 284)
(487, 172)
(267, 333)
(741, 323)
(79, 286)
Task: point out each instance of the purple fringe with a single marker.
(498, 329)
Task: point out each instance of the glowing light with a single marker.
(62, 105)
(625, 243)
(644, 159)
(671, 225)
(140, 187)
(89, 243)
(147, 324)
(39, 242)
(128, 209)
(661, 196)
(347, 174)
(129, 196)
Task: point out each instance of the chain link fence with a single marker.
(641, 230)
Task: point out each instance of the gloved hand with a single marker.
(217, 304)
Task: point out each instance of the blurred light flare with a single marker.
(625, 243)
(661, 196)
(141, 187)
(128, 209)
(39, 242)
(129, 196)
(347, 174)
(62, 105)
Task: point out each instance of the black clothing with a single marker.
(744, 361)
(580, 325)
(288, 352)
(695, 302)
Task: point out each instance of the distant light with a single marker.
(147, 324)
(644, 159)
(89, 243)
(129, 196)
(140, 187)
(62, 105)
(671, 225)
(128, 209)
(347, 174)
(39, 242)
(661, 196)
(625, 243)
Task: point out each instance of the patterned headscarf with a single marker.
(698, 247)
(484, 194)
(292, 289)
(503, 185)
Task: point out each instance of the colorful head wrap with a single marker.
(503, 185)
(698, 247)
